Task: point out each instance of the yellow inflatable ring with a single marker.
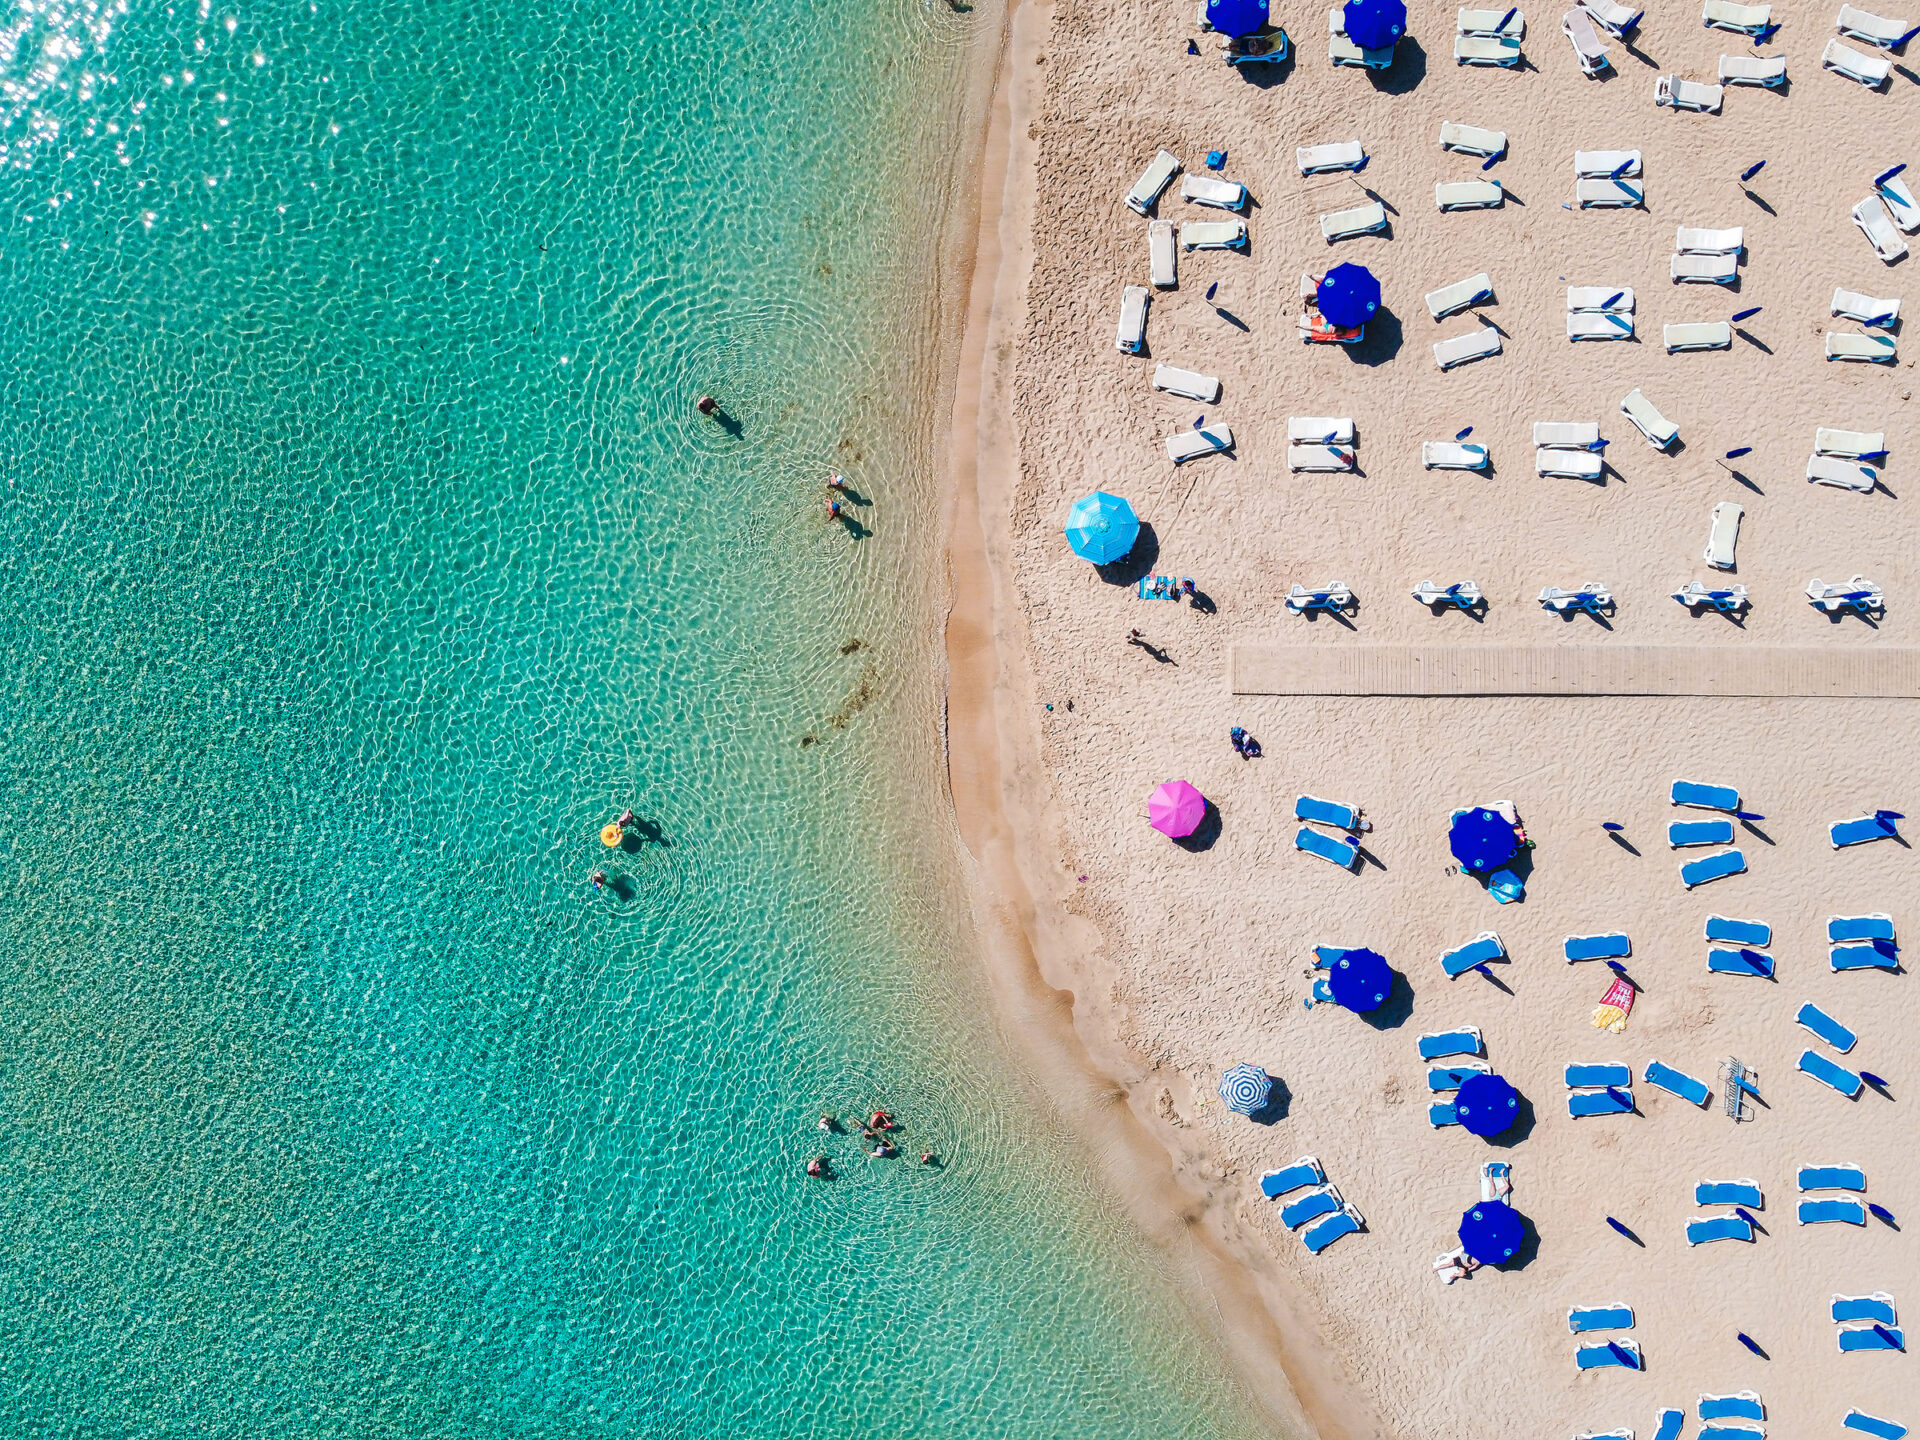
(611, 836)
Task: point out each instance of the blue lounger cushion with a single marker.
(1693, 1091)
(1582, 1103)
(1823, 1025)
(1832, 1177)
(1601, 1354)
(1669, 1423)
(1301, 1173)
(1441, 1113)
(1585, 1076)
(1718, 1227)
(1699, 832)
(1860, 831)
(1741, 1405)
(1581, 1319)
(1452, 1077)
(1874, 955)
(1604, 1435)
(1728, 1192)
(1341, 850)
(1712, 867)
(1832, 1212)
(1597, 947)
(1442, 1043)
(1872, 1425)
(1871, 1337)
(1828, 1073)
(1311, 1206)
(1739, 932)
(1326, 812)
(1705, 797)
(1878, 1307)
(1483, 948)
(1317, 1237)
(1859, 927)
(1731, 1432)
(1739, 962)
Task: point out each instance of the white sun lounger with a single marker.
(1553, 597)
(1877, 225)
(1212, 234)
(1835, 597)
(1205, 190)
(1360, 220)
(1318, 457)
(1678, 94)
(1600, 297)
(1690, 241)
(1851, 443)
(1157, 176)
(1867, 309)
(1190, 383)
(1588, 49)
(1485, 50)
(1660, 431)
(1575, 434)
(1569, 464)
(1472, 139)
(1191, 444)
(1459, 295)
(1506, 21)
(1160, 255)
(1133, 318)
(1342, 155)
(1841, 474)
(1870, 70)
(1451, 455)
(1852, 345)
(1873, 29)
(1605, 164)
(1462, 348)
(1468, 194)
(1703, 269)
(1612, 16)
(1723, 532)
(1900, 203)
(1708, 335)
(1599, 325)
(1753, 70)
(1741, 19)
(1320, 430)
(1621, 194)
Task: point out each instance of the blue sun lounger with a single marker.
(1832, 1212)
(1480, 950)
(1832, 1177)
(1718, 1227)
(1728, 1192)
(1326, 812)
(1739, 962)
(1581, 1077)
(1844, 928)
(1597, 947)
(1873, 955)
(1741, 1405)
(1301, 1173)
(1668, 1423)
(1823, 1025)
(1452, 1077)
(1317, 1237)
(1848, 1309)
(1600, 1356)
(1705, 797)
(1699, 832)
(1310, 1206)
(1828, 1073)
(1739, 932)
(1604, 1435)
(1583, 1318)
(1342, 851)
(1441, 1113)
(1731, 1432)
(1872, 1425)
(1871, 1337)
(1862, 829)
(1582, 1103)
(1694, 1092)
(1712, 867)
(1441, 1043)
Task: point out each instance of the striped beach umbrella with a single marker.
(1245, 1088)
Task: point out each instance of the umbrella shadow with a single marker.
(1383, 340)
(1757, 832)
(1134, 566)
(1408, 69)
(1393, 1012)
(1204, 834)
(1622, 841)
(1524, 1120)
(1279, 1102)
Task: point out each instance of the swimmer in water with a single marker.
(627, 818)
(829, 1123)
(820, 1168)
(599, 878)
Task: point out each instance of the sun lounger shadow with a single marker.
(1271, 73)
(1279, 1102)
(1408, 69)
(1340, 615)
(1205, 834)
(1137, 563)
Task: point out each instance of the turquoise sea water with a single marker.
(361, 556)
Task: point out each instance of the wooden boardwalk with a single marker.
(1825, 672)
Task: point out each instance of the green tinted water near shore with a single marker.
(361, 556)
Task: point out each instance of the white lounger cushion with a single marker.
(1851, 443)
(1318, 457)
(1599, 325)
(1900, 203)
(1189, 444)
(1869, 70)
(1841, 474)
(1689, 241)
(1712, 335)
(1877, 225)
(1451, 455)
(1360, 220)
(1871, 28)
(1622, 194)
(1190, 383)
(1485, 50)
(1320, 429)
(1459, 295)
(1572, 464)
(1852, 345)
(1212, 234)
(1600, 164)
(1660, 431)
(1133, 318)
(1581, 433)
(1487, 22)
(1615, 17)
(1152, 181)
(1723, 532)
(1205, 190)
(1468, 194)
(1600, 297)
(1687, 94)
(1345, 155)
(1588, 49)
(1704, 269)
(1753, 69)
(1726, 15)
(1472, 139)
(1160, 254)
(1462, 348)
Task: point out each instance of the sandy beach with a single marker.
(1182, 961)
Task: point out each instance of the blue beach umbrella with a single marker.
(1481, 839)
(1348, 295)
(1374, 24)
(1245, 1088)
(1492, 1231)
(1101, 527)
(1486, 1105)
(1360, 980)
(1236, 17)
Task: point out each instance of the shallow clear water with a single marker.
(360, 556)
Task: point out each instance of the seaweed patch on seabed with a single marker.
(864, 691)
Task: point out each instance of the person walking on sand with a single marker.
(1136, 637)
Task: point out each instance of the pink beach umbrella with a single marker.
(1176, 809)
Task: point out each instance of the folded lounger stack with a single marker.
(1608, 180)
(1599, 1089)
(1568, 447)
(1846, 459)
(1706, 257)
(1599, 312)
(1488, 37)
(1738, 947)
(1734, 1223)
(1320, 443)
(1867, 1322)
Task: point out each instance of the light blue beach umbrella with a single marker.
(1101, 527)
(1245, 1088)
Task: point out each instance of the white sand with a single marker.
(1202, 954)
